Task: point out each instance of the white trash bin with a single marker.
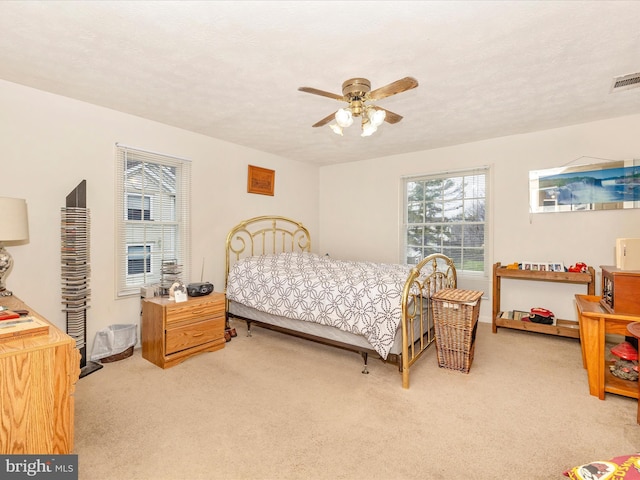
(111, 342)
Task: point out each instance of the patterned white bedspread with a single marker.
(357, 297)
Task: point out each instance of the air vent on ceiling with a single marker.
(625, 82)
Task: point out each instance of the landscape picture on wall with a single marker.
(604, 186)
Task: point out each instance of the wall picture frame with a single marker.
(599, 186)
(261, 180)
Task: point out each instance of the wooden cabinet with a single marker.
(620, 290)
(563, 328)
(595, 324)
(38, 375)
(172, 332)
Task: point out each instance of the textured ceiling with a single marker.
(231, 70)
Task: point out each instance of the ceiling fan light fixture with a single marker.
(357, 92)
(344, 117)
(368, 128)
(337, 129)
(376, 117)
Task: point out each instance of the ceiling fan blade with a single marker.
(390, 116)
(325, 120)
(322, 93)
(399, 86)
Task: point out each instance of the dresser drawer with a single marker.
(194, 334)
(194, 311)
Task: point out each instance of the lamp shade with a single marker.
(14, 224)
(377, 117)
(344, 117)
(337, 129)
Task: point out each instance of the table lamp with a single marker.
(14, 227)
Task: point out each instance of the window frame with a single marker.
(166, 181)
(453, 174)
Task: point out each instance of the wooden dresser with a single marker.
(38, 375)
(172, 332)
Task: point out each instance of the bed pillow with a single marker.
(626, 466)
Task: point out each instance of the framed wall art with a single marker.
(602, 186)
(261, 180)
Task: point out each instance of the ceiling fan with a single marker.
(357, 92)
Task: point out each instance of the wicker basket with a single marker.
(455, 317)
(118, 356)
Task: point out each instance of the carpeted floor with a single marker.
(277, 407)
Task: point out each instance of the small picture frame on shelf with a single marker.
(520, 315)
(543, 266)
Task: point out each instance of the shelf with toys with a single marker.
(581, 274)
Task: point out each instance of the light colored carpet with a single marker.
(276, 407)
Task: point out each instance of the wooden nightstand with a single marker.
(172, 332)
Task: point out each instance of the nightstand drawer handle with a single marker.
(199, 334)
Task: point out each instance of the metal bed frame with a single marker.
(275, 234)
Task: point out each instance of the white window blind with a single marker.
(153, 196)
(447, 213)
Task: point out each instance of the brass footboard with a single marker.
(432, 274)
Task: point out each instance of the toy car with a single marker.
(578, 267)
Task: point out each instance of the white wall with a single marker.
(50, 143)
(368, 227)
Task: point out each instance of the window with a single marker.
(446, 213)
(138, 207)
(152, 217)
(138, 259)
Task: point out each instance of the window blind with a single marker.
(446, 213)
(152, 208)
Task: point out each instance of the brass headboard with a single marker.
(265, 235)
